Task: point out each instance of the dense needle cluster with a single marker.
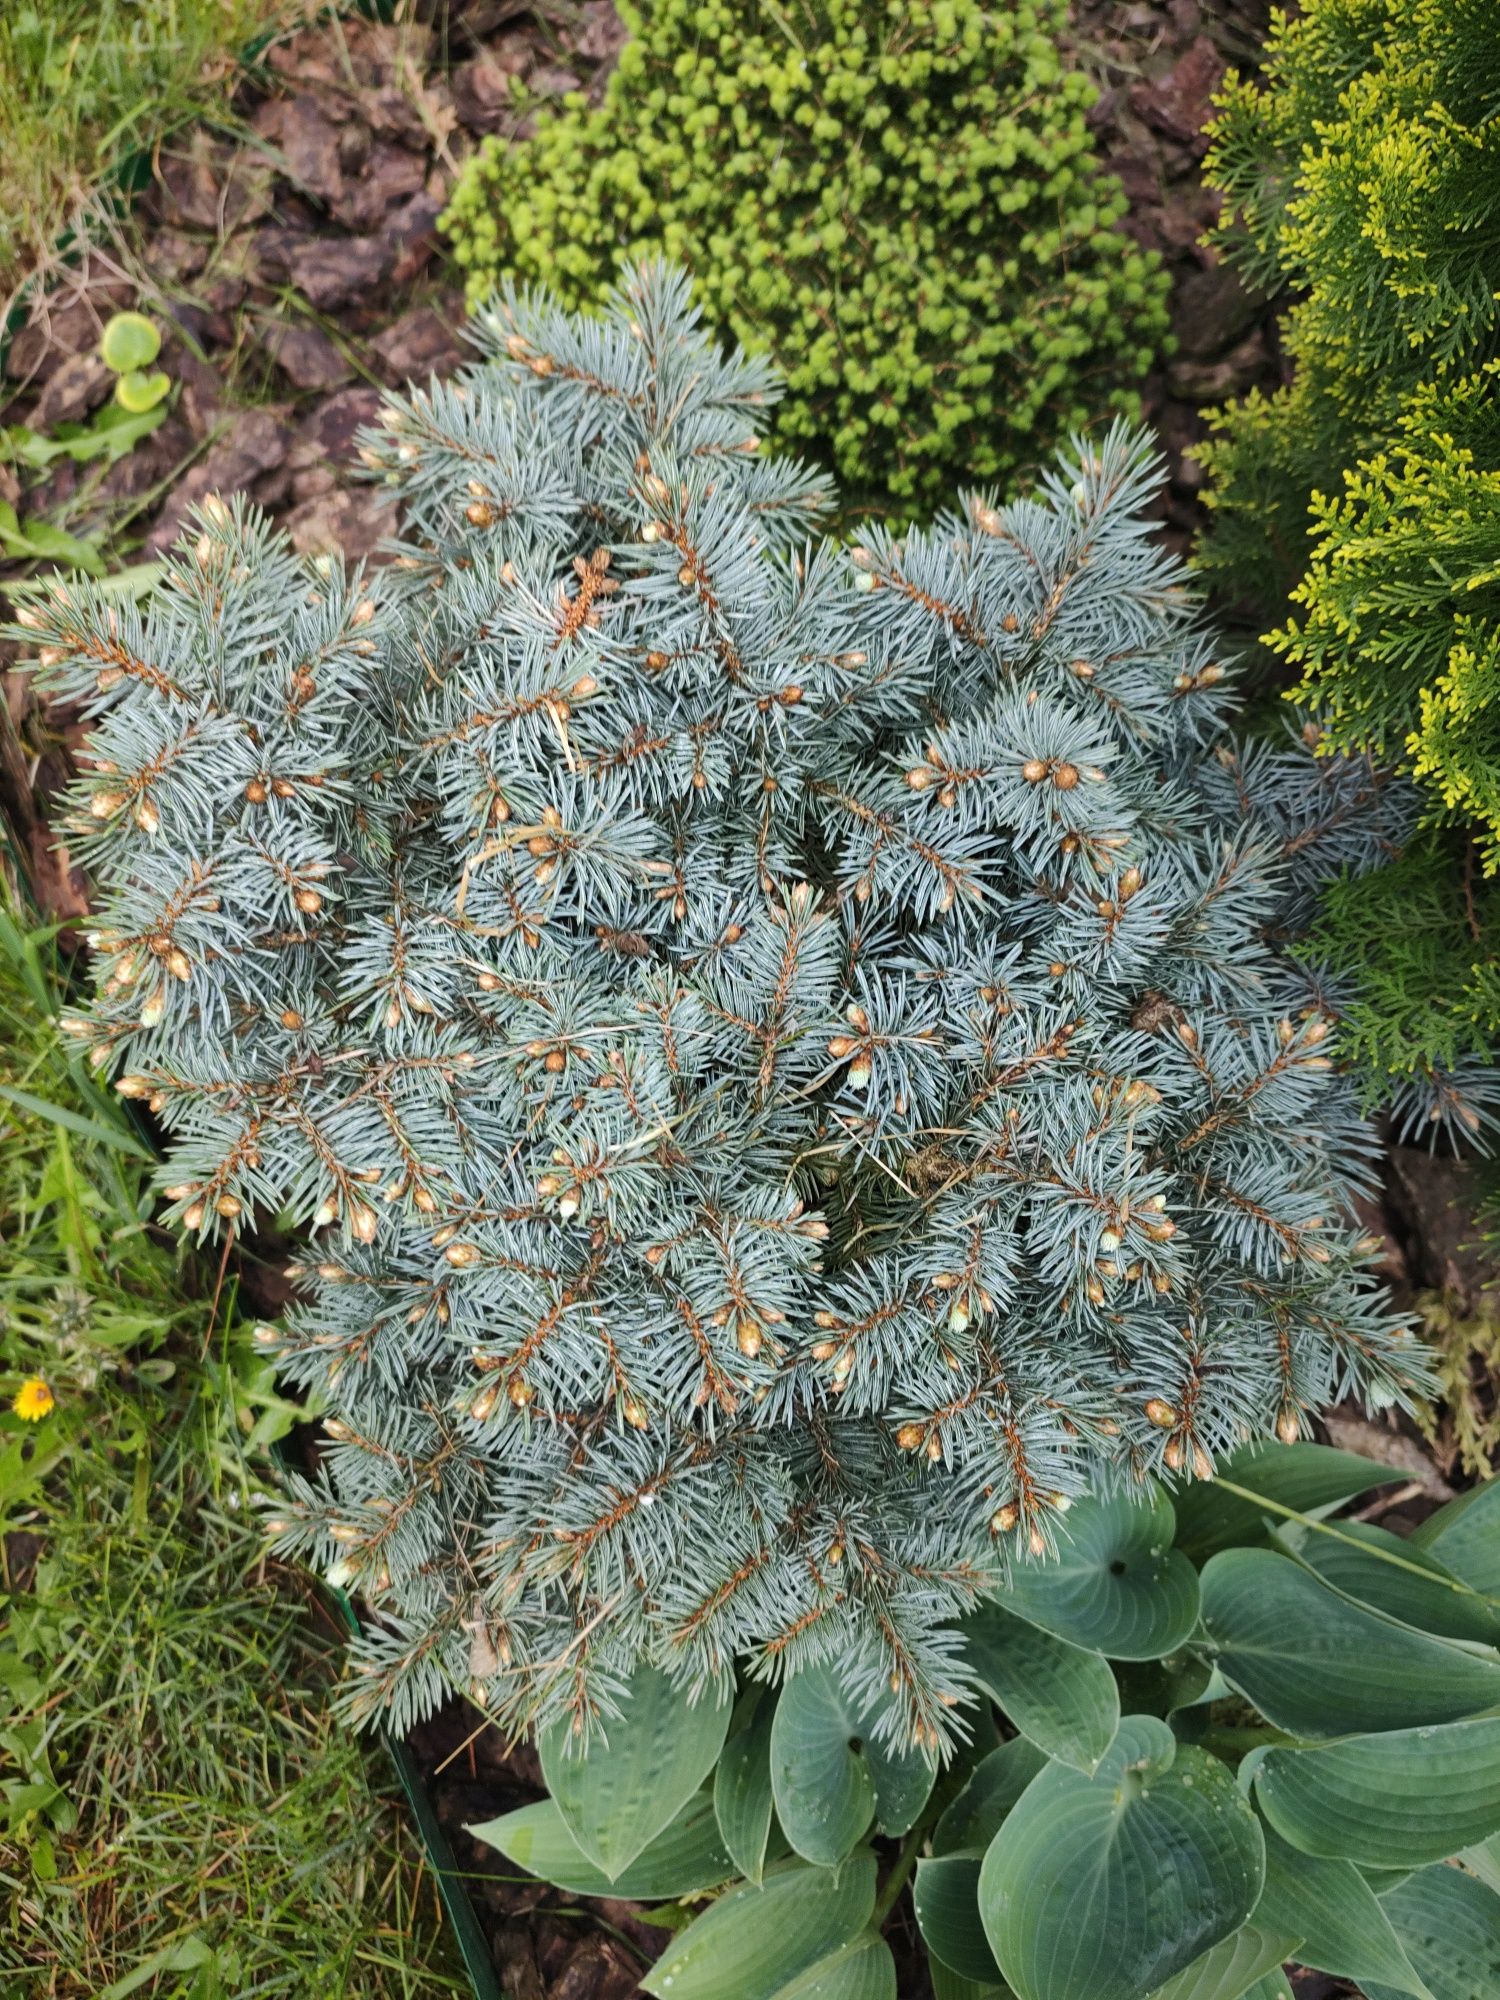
(778, 1044)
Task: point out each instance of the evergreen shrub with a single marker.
(776, 1042)
(900, 204)
(1365, 174)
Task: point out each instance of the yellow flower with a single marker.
(33, 1400)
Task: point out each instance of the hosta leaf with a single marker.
(946, 1890)
(945, 1896)
(971, 1821)
(1392, 1801)
(685, 1857)
(950, 1985)
(1449, 1923)
(742, 1787)
(755, 1940)
(1355, 1561)
(1116, 1585)
(1317, 1664)
(1102, 1888)
(863, 1970)
(1309, 1478)
(829, 1775)
(619, 1795)
(1483, 1860)
(1232, 1968)
(1465, 1538)
(1061, 1696)
(1332, 1911)
(1160, 1687)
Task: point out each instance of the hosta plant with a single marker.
(776, 1044)
(902, 205)
(1215, 1736)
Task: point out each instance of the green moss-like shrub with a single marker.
(899, 202)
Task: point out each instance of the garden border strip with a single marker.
(452, 1888)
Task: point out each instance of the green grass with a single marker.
(179, 1816)
(85, 83)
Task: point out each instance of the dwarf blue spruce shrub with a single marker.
(779, 1046)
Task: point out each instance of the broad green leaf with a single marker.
(1116, 1585)
(1061, 1696)
(1159, 1687)
(1332, 1911)
(830, 1776)
(863, 1970)
(945, 1896)
(1317, 1664)
(1392, 1801)
(616, 1797)
(742, 1787)
(1308, 1478)
(1231, 1968)
(1102, 1888)
(1465, 1538)
(1483, 1860)
(139, 391)
(129, 341)
(950, 1985)
(1450, 1925)
(687, 1856)
(971, 1821)
(755, 1940)
(1379, 1568)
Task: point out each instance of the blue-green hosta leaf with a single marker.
(755, 1941)
(617, 1797)
(970, 1822)
(1233, 1968)
(830, 1777)
(1116, 1586)
(945, 1892)
(945, 1895)
(1161, 1687)
(863, 1970)
(1309, 1478)
(950, 1985)
(742, 1787)
(686, 1857)
(1465, 1538)
(1061, 1696)
(1483, 1860)
(1103, 1888)
(1449, 1923)
(1332, 1911)
(1381, 1569)
(1317, 1664)
(1389, 1801)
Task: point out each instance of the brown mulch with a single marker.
(292, 258)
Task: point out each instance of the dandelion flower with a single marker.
(33, 1400)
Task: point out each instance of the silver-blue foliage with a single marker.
(781, 1047)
